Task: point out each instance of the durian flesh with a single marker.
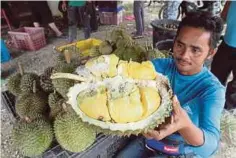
(143, 105)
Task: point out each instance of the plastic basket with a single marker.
(111, 18)
(28, 38)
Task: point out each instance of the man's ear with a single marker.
(211, 53)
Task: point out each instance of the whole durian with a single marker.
(29, 106)
(45, 81)
(27, 80)
(13, 84)
(62, 85)
(71, 133)
(33, 138)
(105, 48)
(55, 102)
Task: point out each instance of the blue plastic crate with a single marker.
(5, 55)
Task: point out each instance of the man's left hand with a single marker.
(179, 121)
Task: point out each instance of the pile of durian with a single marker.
(120, 44)
(71, 103)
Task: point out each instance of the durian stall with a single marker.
(75, 103)
(91, 105)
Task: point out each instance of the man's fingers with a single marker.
(176, 104)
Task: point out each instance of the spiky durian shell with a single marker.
(64, 67)
(33, 138)
(31, 105)
(71, 133)
(45, 81)
(13, 84)
(53, 98)
(105, 48)
(27, 82)
(62, 86)
(142, 126)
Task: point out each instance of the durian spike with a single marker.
(68, 76)
(20, 69)
(34, 86)
(67, 55)
(27, 119)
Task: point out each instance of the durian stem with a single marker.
(67, 55)
(34, 86)
(68, 76)
(20, 69)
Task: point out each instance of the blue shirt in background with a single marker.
(230, 34)
(203, 98)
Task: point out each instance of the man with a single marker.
(224, 61)
(76, 9)
(139, 18)
(194, 129)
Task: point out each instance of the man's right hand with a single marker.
(64, 6)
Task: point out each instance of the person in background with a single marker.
(224, 61)
(194, 126)
(172, 10)
(75, 10)
(42, 14)
(139, 18)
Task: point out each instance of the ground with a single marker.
(37, 61)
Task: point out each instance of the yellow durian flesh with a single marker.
(103, 66)
(123, 68)
(95, 105)
(112, 65)
(151, 100)
(143, 71)
(126, 109)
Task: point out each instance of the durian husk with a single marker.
(33, 138)
(13, 84)
(45, 81)
(142, 126)
(71, 133)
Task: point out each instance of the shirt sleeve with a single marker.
(161, 65)
(209, 122)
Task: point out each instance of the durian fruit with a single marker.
(94, 51)
(33, 138)
(129, 104)
(29, 106)
(62, 85)
(93, 102)
(53, 98)
(132, 54)
(151, 100)
(45, 81)
(13, 84)
(105, 48)
(143, 71)
(71, 133)
(27, 80)
(103, 66)
(55, 102)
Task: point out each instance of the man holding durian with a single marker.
(194, 127)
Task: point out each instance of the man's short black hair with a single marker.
(206, 21)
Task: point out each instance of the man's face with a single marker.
(191, 48)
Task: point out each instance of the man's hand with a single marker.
(179, 121)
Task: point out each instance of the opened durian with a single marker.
(103, 66)
(71, 133)
(133, 101)
(33, 138)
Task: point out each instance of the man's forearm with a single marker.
(193, 135)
